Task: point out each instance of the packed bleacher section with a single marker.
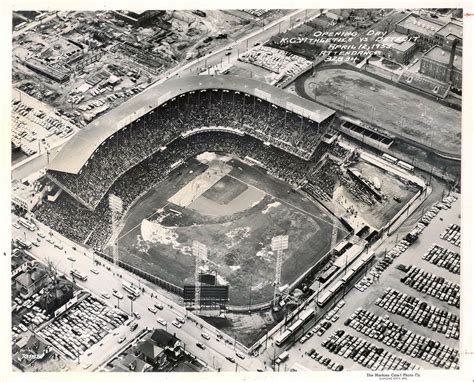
(322, 183)
(93, 227)
(191, 112)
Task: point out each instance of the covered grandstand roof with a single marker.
(79, 149)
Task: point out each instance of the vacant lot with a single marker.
(398, 111)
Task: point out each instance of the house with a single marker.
(32, 279)
(167, 341)
(133, 363)
(151, 353)
(28, 350)
(56, 296)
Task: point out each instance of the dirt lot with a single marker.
(396, 110)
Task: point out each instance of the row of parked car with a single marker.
(325, 324)
(436, 286)
(443, 258)
(325, 361)
(403, 339)
(53, 125)
(452, 234)
(364, 283)
(82, 326)
(30, 318)
(365, 353)
(420, 312)
(381, 266)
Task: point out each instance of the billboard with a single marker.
(207, 278)
(211, 295)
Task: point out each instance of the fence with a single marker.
(146, 276)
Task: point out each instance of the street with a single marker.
(107, 280)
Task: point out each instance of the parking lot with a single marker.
(33, 128)
(82, 326)
(387, 323)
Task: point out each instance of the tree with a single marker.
(52, 270)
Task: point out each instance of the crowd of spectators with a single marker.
(94, 227)
(192, 111)
(322, 183)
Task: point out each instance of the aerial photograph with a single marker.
(236, 190)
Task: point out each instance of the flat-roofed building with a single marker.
(436, 64)
(447, 34)
(398, 47)
(424, 29)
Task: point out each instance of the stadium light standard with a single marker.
(116, 208)
(279, 244)
(199, 252)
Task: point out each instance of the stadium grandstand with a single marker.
(159, 125)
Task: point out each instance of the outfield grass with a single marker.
(238, 244)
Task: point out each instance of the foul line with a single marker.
(250, 185)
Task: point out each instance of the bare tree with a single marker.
(52, 270)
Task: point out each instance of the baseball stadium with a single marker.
(226, 161)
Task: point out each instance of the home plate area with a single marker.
(215, 193)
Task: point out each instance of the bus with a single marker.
(280, 340)
(307, 315)
(75, 273)
(22, 243)
(405, 166)
(389, 158)
(294, 327)
(282, 357)
(25, 223)
(131, 288)
(19, 26)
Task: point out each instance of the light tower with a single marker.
(279, 244)
(200, 253)
(116, 208)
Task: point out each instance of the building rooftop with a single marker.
(451, 30)
(420, 25)
(398, 41)
(442, 56)
(163, 338)
(150, 349)
(31, 276)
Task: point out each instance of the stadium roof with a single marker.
(79, 149)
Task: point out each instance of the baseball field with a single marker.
(235, 209)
